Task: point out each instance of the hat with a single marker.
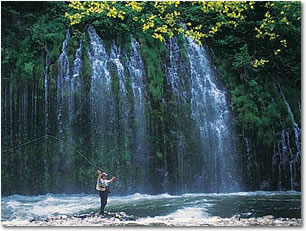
(104, 174)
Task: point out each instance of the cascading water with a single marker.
(286, 159)
(63, 93)
(69, 86)
(112, 117)
(249, 155)
(212, 116)
(175, 72)
(177, 77)
(46, 112)
(138, 79)
(118, 71)
(193, 82)
(62, 87)
(113, 112)
(140, 151)
(101, 100)
(297, 130)
(46, 91)
(76, 84)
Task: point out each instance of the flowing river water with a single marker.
(150, 209)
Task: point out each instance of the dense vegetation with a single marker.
(255, 46)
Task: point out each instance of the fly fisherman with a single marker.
(102, 187)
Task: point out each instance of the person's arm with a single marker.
(112, 180)
(99, 177)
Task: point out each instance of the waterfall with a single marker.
(184, 142)
(63, 108)
(46, 112)
(69, 93)
(176, 73)
(137, 74)
(297, 130)
(110, 108)
(46, 91)
(62, 78)
(212, 116)
(117, 94)
(138, 79)
(100, 95)
(249, 155)
(124, 106)
(287, 160)
(76, 84)
(193, 82)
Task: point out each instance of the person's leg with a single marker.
(104, 196)
(102, 203)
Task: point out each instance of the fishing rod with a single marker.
(56, 138)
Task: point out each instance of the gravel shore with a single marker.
(121, 219)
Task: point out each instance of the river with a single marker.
(19, 209)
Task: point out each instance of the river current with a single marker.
(189, 207)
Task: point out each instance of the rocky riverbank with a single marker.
(122, 219)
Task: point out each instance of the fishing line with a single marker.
(58, 139)
(7, 150)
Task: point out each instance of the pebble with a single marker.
(32, 219)
(122, 219)
(268, 217)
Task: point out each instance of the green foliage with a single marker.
(254, 98)
(115, 80)
(28, 68)
(183, 50)
(154, 53)
(126, 156)
(159, 155)
(72, 46)
(86, 70)
(242, 59)
(31, 31)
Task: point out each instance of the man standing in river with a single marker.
(102, 187)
